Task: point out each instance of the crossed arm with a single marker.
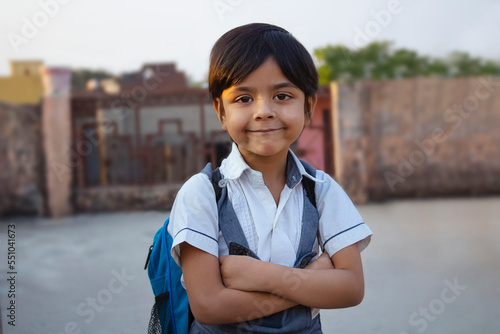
(241, 288)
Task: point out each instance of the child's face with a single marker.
(264, 114)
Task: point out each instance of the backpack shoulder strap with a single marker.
(310, 220)
(228, 221)
(214, 176)
(309, 185)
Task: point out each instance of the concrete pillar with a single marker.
(56, 131)
(337, 147)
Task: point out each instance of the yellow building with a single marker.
(24, 86)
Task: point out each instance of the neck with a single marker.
(273, 168)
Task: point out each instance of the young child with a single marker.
(263, 83)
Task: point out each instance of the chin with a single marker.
(268, 152)
(264, 149)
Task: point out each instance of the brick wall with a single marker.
(419, 137)
(21, 161)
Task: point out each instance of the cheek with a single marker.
(298, 121)
(236, 121)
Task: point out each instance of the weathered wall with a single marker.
(21, 161)
(420, 137)
(350, 139)
(119, 198)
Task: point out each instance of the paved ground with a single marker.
(432, 267)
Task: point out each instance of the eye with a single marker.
(282, 97)
(243, 99)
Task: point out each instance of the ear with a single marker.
(311, 104)
(219, 109)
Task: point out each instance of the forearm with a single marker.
(316, 286)
(327, 288)
(212, 302)
(230, 306)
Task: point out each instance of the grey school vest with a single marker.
(293, 320)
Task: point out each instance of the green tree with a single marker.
(379, 61)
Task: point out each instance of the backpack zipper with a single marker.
(147, 259)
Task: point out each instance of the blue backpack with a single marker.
(171, 313)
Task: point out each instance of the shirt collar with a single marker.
(234, 166)
(295, 171)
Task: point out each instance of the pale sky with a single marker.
(120, 36)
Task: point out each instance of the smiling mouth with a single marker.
(265, 130)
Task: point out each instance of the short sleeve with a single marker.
(193, 218)
(340, 224)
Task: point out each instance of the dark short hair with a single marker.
(241, 50)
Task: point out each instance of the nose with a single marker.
(264, 110)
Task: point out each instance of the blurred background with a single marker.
(105, 112)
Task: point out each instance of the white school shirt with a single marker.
(273, 232)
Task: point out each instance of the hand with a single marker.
(240, 272)
(322, 262)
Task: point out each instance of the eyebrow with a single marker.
(285, 84)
